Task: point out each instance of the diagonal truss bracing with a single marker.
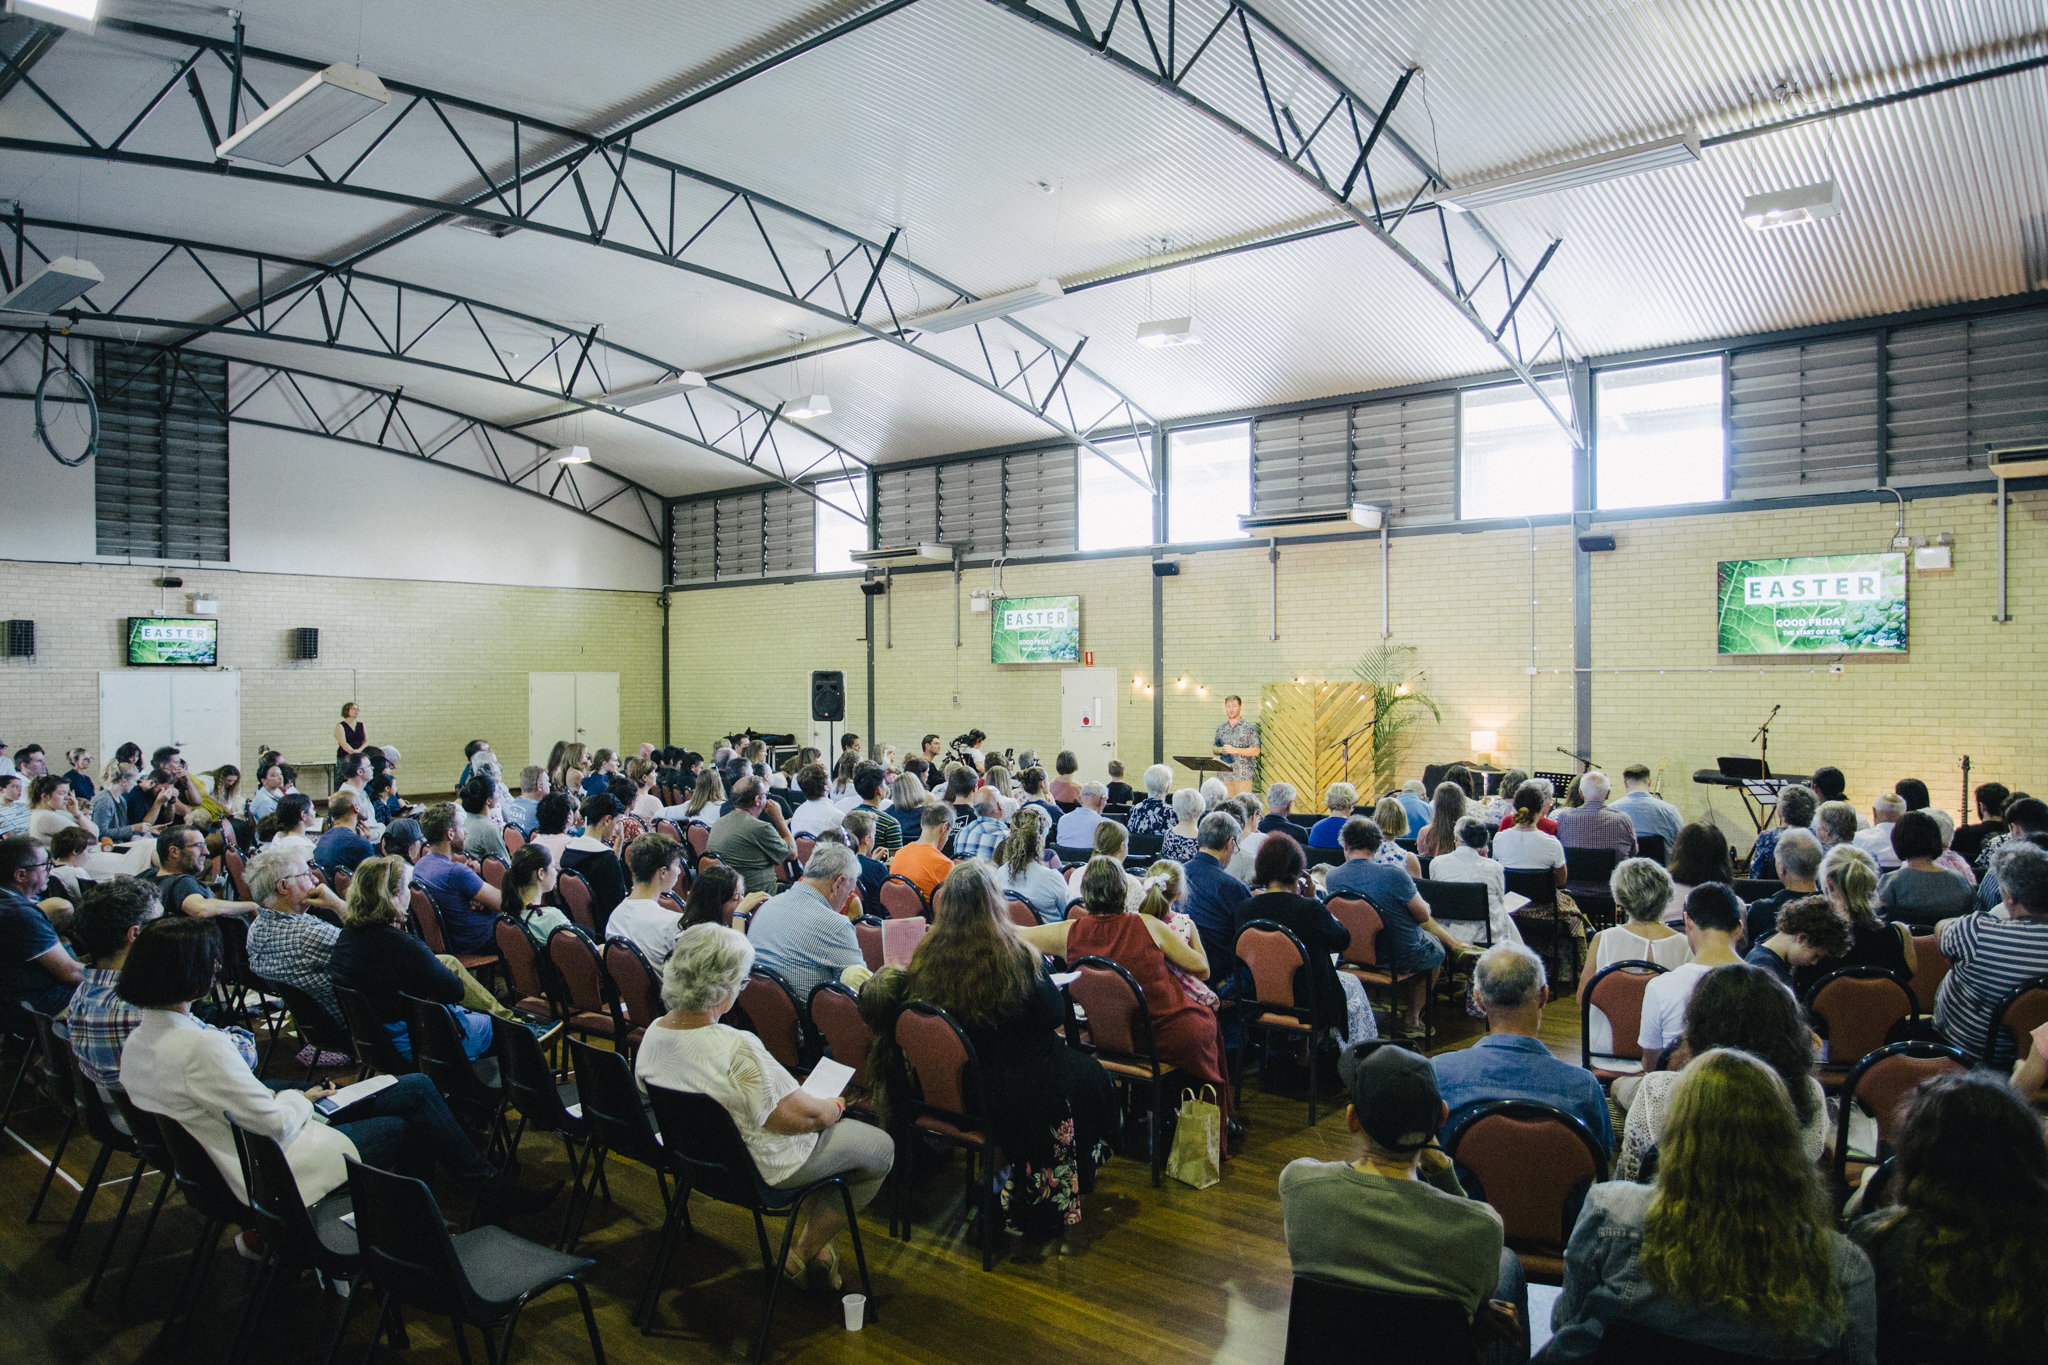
(286, 399)
(1230, 64)
(449, 157)
(186, 289)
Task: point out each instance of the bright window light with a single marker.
(1661, 440)
(1116, 512)
(1210, 473)
(1514, 460)
(839, 532)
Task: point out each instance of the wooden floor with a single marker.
(1167, 1275)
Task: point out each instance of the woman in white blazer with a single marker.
(175, 1066)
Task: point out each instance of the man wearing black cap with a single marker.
(1395, 1221)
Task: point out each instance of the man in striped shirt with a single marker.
(1992, 956)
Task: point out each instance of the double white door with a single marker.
(582, 708)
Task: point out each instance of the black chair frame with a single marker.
(1996, 1028)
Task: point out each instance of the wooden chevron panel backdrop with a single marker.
(1301, 729)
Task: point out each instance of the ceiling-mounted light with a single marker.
(655, 392)
(488, 227)
(990, 308)
(55, 285)
(1164, 332)
(83, 15)
(329, 102)
(1680, 150)
(574, 455)
(1783, 208)
(817, 405)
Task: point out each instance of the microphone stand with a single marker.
(1585, 762)
(1763, 736)
(1346, 742)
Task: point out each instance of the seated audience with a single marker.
(961, 784)
(645, 806)
(1154, 815)
(1990, 799)
(352, 774)
(1796, 808)
(1829, 784)
(856, 829)
(1411, 941)
(14, 805)
(1834, 822)
(1919, 892)
(174, 1065)
(2025, 818)
(1713, 919)
(1992, 955)
(273, 783)
(1052, 1109)
(1392, 819)
(594, 855)
(1468, 863)
(402, 840)
(1279, 817)
(1510, 1062)
(1795, 860)
(483, 833)
(181, 856)
(1413, 798)
(1913, 792)
(343, 845)
(1948, 859)
(795, 1138)
(1546, 795)
(1522, 843)
(69, 849)
(53, 806)
(100, 1021)
(1212, 898)
(286, 943)
(818, 809)
(705, 799)
(110, 806)
(1020, 868)
(1809, 930)
(1959, 1257)
(293, 819)
(466, 904)
(522, 812)
(1396, 1221)
(1649, 813)
(1065, 791)
(868, 781)
(529, 877)
(920, 861)
(907, 800)
(373, 954)
(643, 919)
(718, 896)
(1592, 824)
(1077, 826)
(604, 766)
(804, 935)
(1876, 840)
(1848, 878)
(982, 835)
(1734, 1248)
(1340, 800)
(1179, 844)
(1119, 790)
(1337, 998)
(1031, 782)
(1109, 843)
(1641, 889)
(752, 838)
(1701, 855)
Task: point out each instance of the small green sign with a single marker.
(1813, 604)
(1035, 630)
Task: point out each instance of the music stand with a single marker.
(1204, 764)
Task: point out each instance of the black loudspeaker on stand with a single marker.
(828, 695)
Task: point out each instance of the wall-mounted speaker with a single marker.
(828, 695)
(21, 639)
(306, 642)
(1596, 544)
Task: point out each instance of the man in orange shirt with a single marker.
(922, 862)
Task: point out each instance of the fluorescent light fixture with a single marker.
(1165, 332)
(485, 227)
(55, 285)
(1680, 150)
(1359, 515)
(329, 101)
(83, 15)
(1800, 204)
(655, 392)
(817, 405)
(898, 554)
(574, 455)
(990, 308)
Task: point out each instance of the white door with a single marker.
(199, 711)
(581, 708)
(1088, 699)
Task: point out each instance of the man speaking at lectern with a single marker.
(1237, 739)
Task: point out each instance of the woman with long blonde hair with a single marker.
(1020, 867)
(1052, 1108)
(1848, 878)
(1733, 1248)
(709, 792)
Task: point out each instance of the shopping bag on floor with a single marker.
(1197, 1155)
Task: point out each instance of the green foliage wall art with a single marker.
(1813, 604)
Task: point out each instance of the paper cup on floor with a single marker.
(856, 1306)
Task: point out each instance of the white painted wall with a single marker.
(301, 504)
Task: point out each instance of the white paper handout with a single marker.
(350, 1094)
(828, 1079)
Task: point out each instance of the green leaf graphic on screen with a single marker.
(1035, 630)
(1813, 604)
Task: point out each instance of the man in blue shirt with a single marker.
(1509, 1063)
(1410, 939)
(1414, 799)
(803, 935)
(1213, 896)
(466, 904)
(36, 973)
(1653, 816)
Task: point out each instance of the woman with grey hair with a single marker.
(1188, 808)
(795, 1138)
(1154, 815)
(1641, 890)
(1215, 791)
(1468, 862)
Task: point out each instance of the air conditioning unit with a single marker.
(2019, 462)
(920, 553)
(1358, 516)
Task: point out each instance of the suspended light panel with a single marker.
(988, 309)
(574, 455)
(1164, 332)
(55, 285)
(817, 405)
(330, 102)
(83, 15)
(1680, 150)
(1787, 208)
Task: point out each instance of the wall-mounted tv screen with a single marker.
(1814, 604)
(192, 641)
(1035, 630)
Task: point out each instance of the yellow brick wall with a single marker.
(743, 655)
(433, 664)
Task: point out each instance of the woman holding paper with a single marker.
(795, 1136)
